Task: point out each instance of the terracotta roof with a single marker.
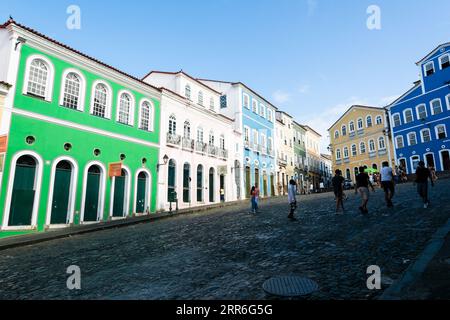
(354, 106)
(242, 84)
(187, 75)
(12, 22)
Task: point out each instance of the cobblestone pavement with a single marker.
(229, 253)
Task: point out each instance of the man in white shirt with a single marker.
(387, 182)
(292, 192)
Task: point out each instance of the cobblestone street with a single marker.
(229, 253)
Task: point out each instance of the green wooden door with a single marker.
(140, 193)
(92, 196)
(211, 185)
(22, 200)
(61, 194)
(119, 196)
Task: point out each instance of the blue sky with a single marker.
(312, 58)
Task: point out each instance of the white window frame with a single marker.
(262, 110)
(108, 100)
(358, 122)
(201, 98)
(409, 140)
(399, 118)
(404, 115)
(425, 69)
(348, 153)
(422, 136)
(244, 98)
(440, 60)
(82, 94)
(342, 130)
(50, 76)
(186, 87)
(338, 154)
(151, 113)
(436, 130)
(374, 149)
(255, 106)
(132, 107)
(431, 106)
(336, 134)
(396, 142)
(350, 124)
(447, 100)
(247, 130)
(418, 113)
(379, 143)
(362, 143)
(378, 118)
(354, 154)
(371, 121)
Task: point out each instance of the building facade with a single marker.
(420, 118)
(326, 165)
(313, 178)
(81, 139)
(254, 119)
(360, 138)
(284, 133)
(197, 141)
(299, 155)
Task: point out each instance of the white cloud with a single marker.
(388, 100)
(281, 96)
(312, 6)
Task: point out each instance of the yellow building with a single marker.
(360, 138)
(284, 135)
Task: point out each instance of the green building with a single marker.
(79, 140)
(300, 172)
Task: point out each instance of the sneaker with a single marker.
(425, 206)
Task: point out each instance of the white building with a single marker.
(196, 142)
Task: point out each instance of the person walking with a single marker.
(257, 197)
(338, 188)
(387, 183)
(253, 199)
(362, 186)
(422, 176)
(292, 199)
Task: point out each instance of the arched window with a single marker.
(200, 98)
(412, 139)
(125, 109)
(369, 121)
(351, 127)
(199, 183)
(362, 147)
(408, 116)
(172, 124)
(187, 130)
(200, 134)
(101, 100)
(187, 92)
(396, 120)
(336, 134)
(211, 138)
(379, 120)
(222, 142)
(72, 91)
(400, 142)
(360, 123)
(338, 154)
(187, 183)
(344, 130)
(421, 111)
(345, 152)
(436, 106)
(39, 77)
(145, 122)
(426, 135)
(171, 181)
(211, 104)
(371, 146)
(381, 143)
(441, 132)
(354, 152)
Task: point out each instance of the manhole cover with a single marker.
(290, 286)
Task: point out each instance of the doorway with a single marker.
(61, 193)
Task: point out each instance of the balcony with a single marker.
(201, 147)
(213, 150)
(247, 145)
(223, 153)
(173, 139)
(188, 144)
(270, 153)
(282, 162)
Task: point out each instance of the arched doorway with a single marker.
(23, 192)
(211, 185)
(256, 184)
(119, 208)
(429, 160)
(265, 185)
(199, 183)
(237, 178)
(272, 185)
(61, 193)
(142, 187)
(248, 182)
(92, 196)
(445, 160)
(186, 183)
(171, 181)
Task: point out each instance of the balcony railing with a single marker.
(173, 139)
(223, 153)
(282, 162)
(246, 144)
(201, 147)
(188, 144)
(213, 150)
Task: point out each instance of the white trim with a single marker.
(152, 113)
(413, 170)
(37, 186)
(406, 163)
(416, 97)
(83, 128)
(421, 125)
(371, 121)
(108, 100)
(132, 107)
(409, 140)
(260, 123)
(244, 96)
(405, 121)
(102, 187)
(431, 106)
(73, 189)
(362, 123)
(436, 130)
(148, 187)
(126, 200)
(399, 117)
(441, 157)
(425, 69)
(421, 135)
(360, 149)
(356, 150)
(440, 59)
(50, 76)
(418, 113)
(447, 101)
(426, 161)
(350, 125)
(396, 142)
(374, 146)
(81, 96)
(384, 142)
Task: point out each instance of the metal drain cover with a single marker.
(290, 286)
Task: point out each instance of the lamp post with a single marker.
(165, 160)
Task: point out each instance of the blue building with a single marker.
(254, 118)
(420, 118)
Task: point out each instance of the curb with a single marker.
(415, 270)
(30, 239)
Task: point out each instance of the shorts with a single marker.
(388, 186)
(338, 194)
(364, 193)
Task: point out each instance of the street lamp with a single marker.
(165, 160)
